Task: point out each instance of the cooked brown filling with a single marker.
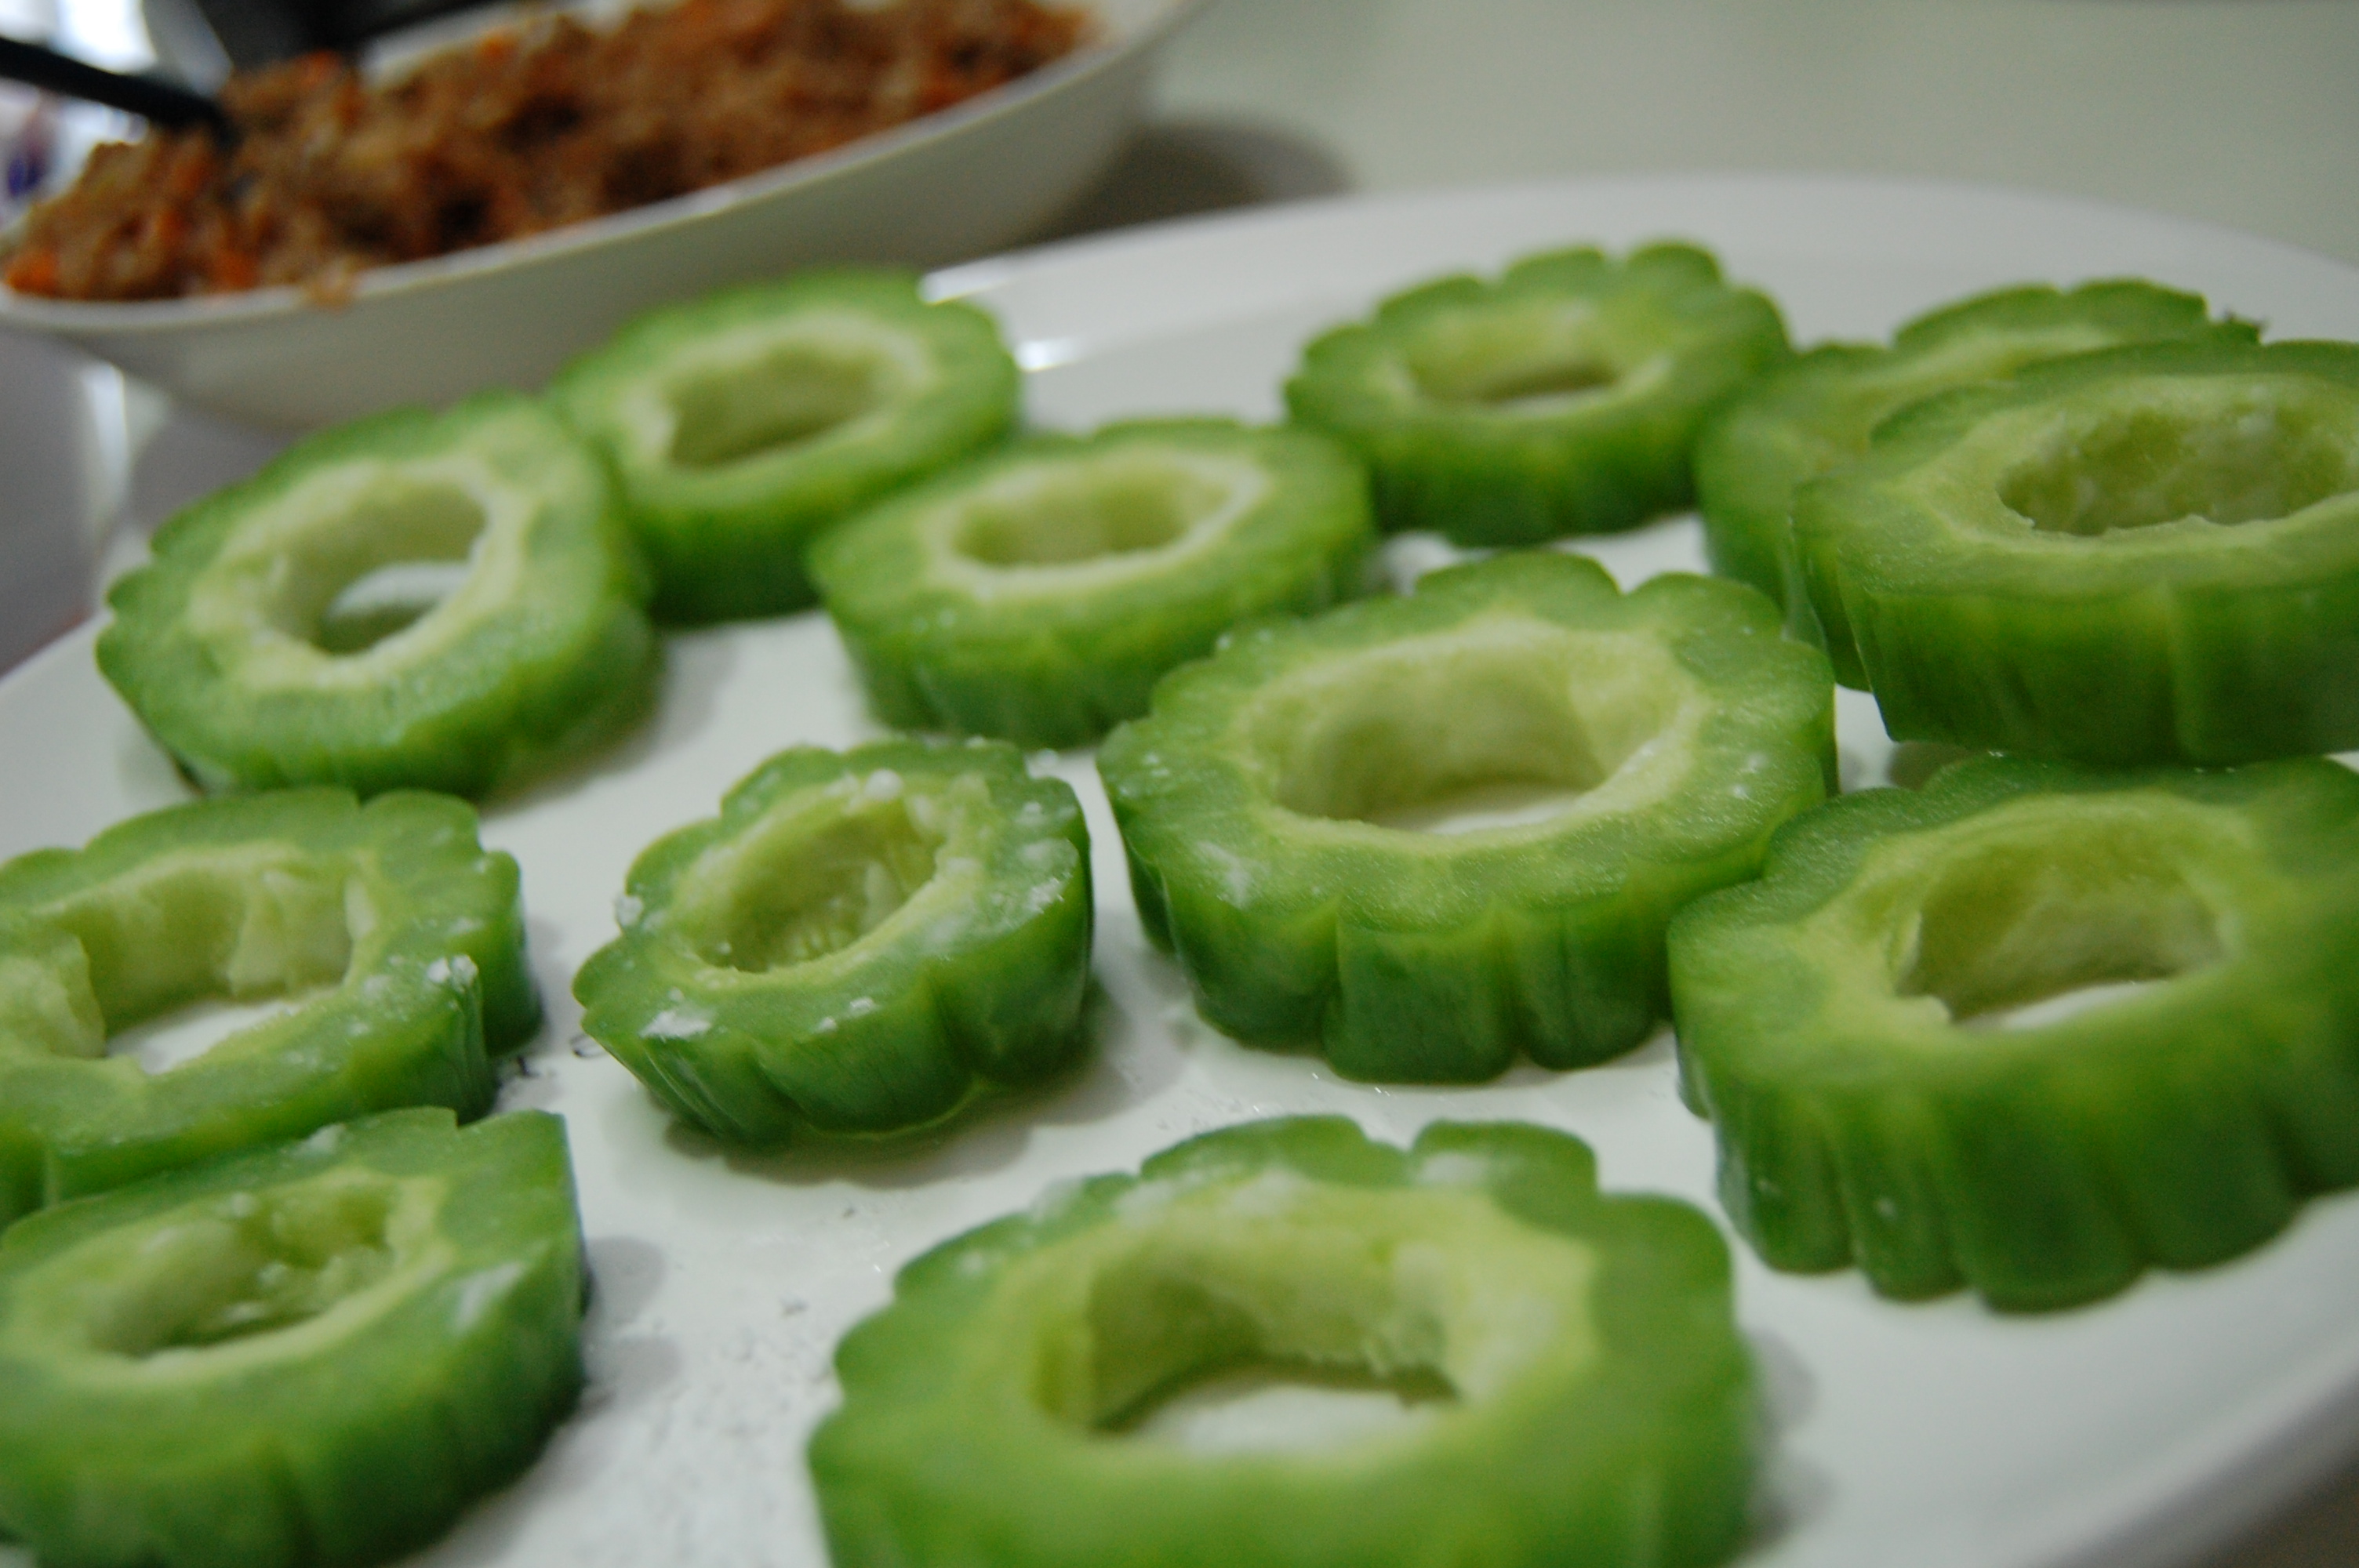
(526, 130)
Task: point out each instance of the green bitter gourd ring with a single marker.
(2150, 554)
(310, 1357)
(742, 424)
(1561, 399)
(397, 940)
(1605, 758)
(859, 943)
(1816, 413)
(1581, 1397)
(430, 601)
(1038, 595)
(1881, 1028)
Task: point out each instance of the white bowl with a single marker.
(970, 178)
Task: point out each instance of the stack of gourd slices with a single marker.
(253, 1311)
(2081, 1009)
(860, 942)
(278, 1308)
(1599, 758)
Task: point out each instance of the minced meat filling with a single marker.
(525, 130)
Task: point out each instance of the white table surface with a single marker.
(2240, 112)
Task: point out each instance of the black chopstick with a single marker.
(158, 101)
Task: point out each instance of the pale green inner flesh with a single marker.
(794, 392)
(2245, 459)
(364, 568)
(810, 878)
(2014, 927)
(240, 925)
(1083, 511)
(1502, 726)
(1901, 379)
(244, 1266)
(1532, 357)
(1180, 1338)
(399, 550)
(1283, 1313)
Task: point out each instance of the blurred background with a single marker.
(2244, 112)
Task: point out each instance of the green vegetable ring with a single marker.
(2150, 554)
(1561, 399)
(1038, 595)
(858, 943)
(304, 1358)
(1815, 414)
(398, 942)
(1581, 1397)
(1606, 757)
(742, 424)
(1882, 1031)
(442, 601)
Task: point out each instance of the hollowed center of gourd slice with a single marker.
(1281, 1314)
(807, 881)
(163, 964)
(389, 600)
(2250, 457)
(247, 1265)
(397, 551)
(1262, 1406)
(1497, 726)
(1065, 525)
(794, 391)
(1059, 514)
(1512, 361)
(359, 570)
(2019, 935)
(1202, 1351)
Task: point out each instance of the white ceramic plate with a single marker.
(2128, 1434)
(969, 179)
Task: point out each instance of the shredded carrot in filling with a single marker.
(525, 130)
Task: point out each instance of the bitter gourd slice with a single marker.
(1561, 399)
(2150, 554)
(859, 943)
(1586, 1400)
(287, 630)
(1038, 595)
(1815, 414)
(742, 424)
(312, 1356)
(1263, 808)
(1876, 1031)
(397, 941)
